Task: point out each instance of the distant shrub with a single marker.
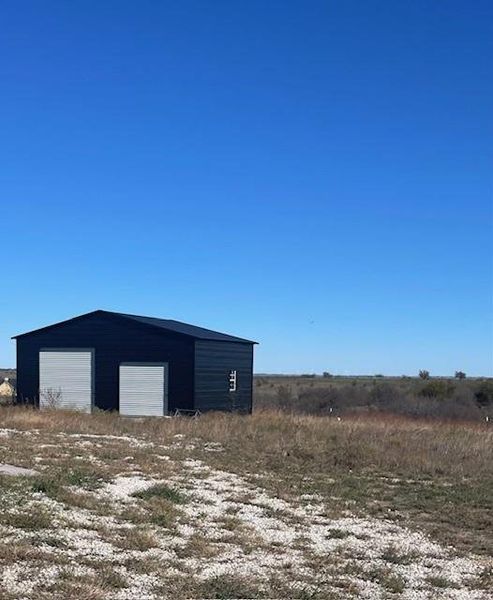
(484, 393)
(284, 397)
(382, 394)
(327, 375)
(424, 374)
(308, 375)
(378, 375)
(437, 389)
(460, 375)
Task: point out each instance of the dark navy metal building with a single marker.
(140, 366)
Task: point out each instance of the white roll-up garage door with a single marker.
(144, 389)
(66, 379)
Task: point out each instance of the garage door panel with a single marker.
(143, 389)
(66, 379)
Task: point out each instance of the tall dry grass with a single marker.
(272, 439)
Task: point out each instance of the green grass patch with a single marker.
(440, 582)
(225, 587)
(30, 519)
(52, 482)
(390, 581)
(337, 534)
(161, 490)
(392, 555)
(110, 578)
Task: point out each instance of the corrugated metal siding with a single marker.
(65, 379)
(115, 343)
(143, 390)
(213, 362)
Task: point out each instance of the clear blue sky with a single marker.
(314, 175)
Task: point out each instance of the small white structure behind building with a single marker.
(7, 392)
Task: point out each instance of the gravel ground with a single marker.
(224, 527)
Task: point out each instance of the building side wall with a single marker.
(213, 362)
(113, 343)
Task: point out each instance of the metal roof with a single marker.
(193, 331)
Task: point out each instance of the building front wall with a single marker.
(113, 342)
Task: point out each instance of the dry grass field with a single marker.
(229, 506)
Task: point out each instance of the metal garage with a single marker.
(140, 366)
